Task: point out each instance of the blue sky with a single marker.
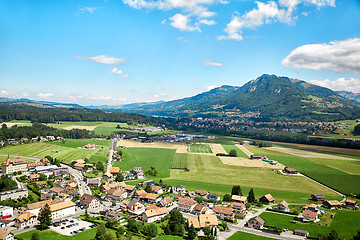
(121, 51)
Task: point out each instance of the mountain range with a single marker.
(269, 97)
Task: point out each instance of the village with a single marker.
(75, 202)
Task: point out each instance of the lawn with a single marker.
(240, 153)
(49, 234)
(246, 236)
(200, 148)
(169, 237)
(179, 161)
(209, 170)
(76, 143)
(160, 158)
(343, 223)
(40, 150)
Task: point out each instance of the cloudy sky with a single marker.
(121, 51)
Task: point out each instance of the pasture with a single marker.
(246, 236)
(342, 223)
(146, 157)
(200, 148)
(180, 147)
(240, 153)
(205, 169)
(76, 143)
(245, 162)
(179, 161)
(40, 150)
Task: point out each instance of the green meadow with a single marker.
(179, 161)
(246, 236)
(200, 148)
(240, 153)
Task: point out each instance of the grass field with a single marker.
(246, 236)
(145, 157)
(179, 161)
(209, 171)
(200, 148)
(343, 223)
(40, 150)
(48, 234)
(240, 153)
(75, 143)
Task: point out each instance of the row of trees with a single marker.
(236, 190)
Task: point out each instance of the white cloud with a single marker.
(25, 94)
(267, 13)
(45, 95)
(90, 9)
(125, 76)
(4, 93)
(208, 88)
(106, 98)
(210, 62)
(116, 71)
(339, 56)
(207, 22)
(182, 22)
(104, 59)
(340, 84)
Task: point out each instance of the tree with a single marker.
(236, 190)
(251, 197)
(148, 188)
(44, 217)
(100, 166)
(227, 198)
(35, 236)
(175, 221)
(167, 230)
(100, 232)
(110, 235)
(42, 177)
(192, 234)
(333, 235)
(86, 214)
(111, 223)
(356, 130)
(357, 236)
(233, 153)
(150, 230)
(133, 226)
(119, 177)
(207, 231)
(120, 231)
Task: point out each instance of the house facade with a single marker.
(14, 165)
(89, 201)
(25, 219)
(256, 222)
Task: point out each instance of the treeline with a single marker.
(38, 129)
(11, 111)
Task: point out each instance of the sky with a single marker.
(97, 52)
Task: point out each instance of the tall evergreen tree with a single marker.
(148, 188)
(251, 197)
(192, 234)
(44, 217)
(100, 232)
(236, 190)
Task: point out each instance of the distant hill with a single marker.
(268, 97)
(350, 95)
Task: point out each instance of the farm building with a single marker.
(333, 204)
(282, 206)
(255, 157)
(302, 233)
(267, 199)
(318, 197)
(291, 170)
(350, 203)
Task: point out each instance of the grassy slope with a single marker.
(48, 234)
(146, 157)
(179, 161)
(209, 170)
(342, 223)
(246, 236)
(75, 143)
(240, 153)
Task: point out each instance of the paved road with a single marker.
(14, 156)
(111, 152)
(83, 187)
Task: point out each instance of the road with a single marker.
(83, 187)
(14, 156)
(111, 152)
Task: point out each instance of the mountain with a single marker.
(268, 97)
(350, 95)
(46, 104)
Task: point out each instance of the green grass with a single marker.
(145, 157)
(40, 150)
(240, 153)
(209, 171)
(48, 234)
(200, 148)
(350, 167)
(169, 237)
(343, 223)
(76, 143)
(246, 236)
(264, 151)
(179, 161)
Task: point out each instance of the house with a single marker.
(312, 207)
(150, 182)
(151, 198)
(33, 177)
(45, 196)
(14, 194)
(93, 182)
(35, 208)
(333, 204)
(214, 197)
(156, 189)
(203, 220)
(267, 199)
(256, 222)
(116, 194)
(58, 180)
(114, 170)
(240, 199)
(25, 219)
(41, 183)
(154, 214)
(179, 189)
(6, 235)
(113, 214)
(33, 165)
(302, 233)
(282, 206)
(6, 212)
(200, 209)
(191, 194)
(166, 202)
(129, 176)
(136, 206)
(308, 216)
(130, 189)
(140, 194)
(108, 176)
(45, 161)
(140, 174)
(14, 165)
(5, 223)
(318, 197)
(71, 191)
(238, 207)
(89, 201)
(202, 193)
(351, 203)
(224, 212)
(62, 209)
(291, 170)
(257, 157)
(56, 190)
(186, 204)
